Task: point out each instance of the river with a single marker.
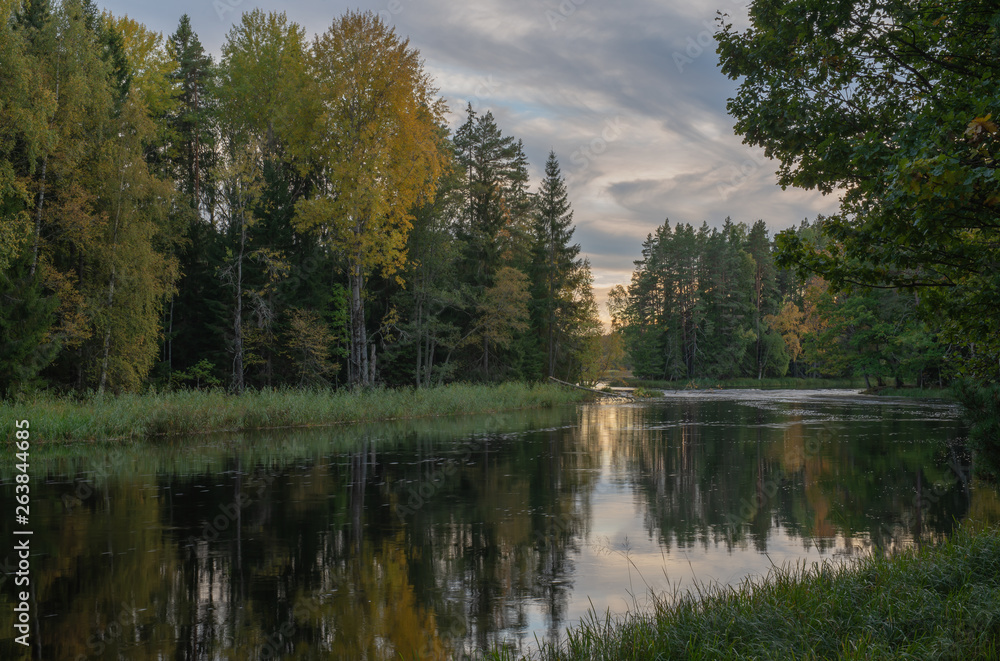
(418, 539)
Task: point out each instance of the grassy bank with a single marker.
(939, 603)
(133, 417)
(914, 393)
(770, 383)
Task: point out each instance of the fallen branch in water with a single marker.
(599, 392)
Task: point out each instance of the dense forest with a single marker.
(297, 213)
(711, 303)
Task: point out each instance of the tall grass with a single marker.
(133, 417)
(942, 602)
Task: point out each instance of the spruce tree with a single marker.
(554, 257)
(194, 148)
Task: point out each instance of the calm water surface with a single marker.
(421, 539)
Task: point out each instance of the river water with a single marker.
(419, 539)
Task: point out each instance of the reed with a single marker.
(133, 417)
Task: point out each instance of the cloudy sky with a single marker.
(627, 93)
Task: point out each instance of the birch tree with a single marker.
(375, 149)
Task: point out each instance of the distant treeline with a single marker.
(712, 303)
(294, 214)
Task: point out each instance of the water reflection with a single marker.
(423, 539)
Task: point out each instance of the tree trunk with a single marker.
(431, 346)
(238, 384)
(107, 335)
(551, 302)
(486, 357)
(420, 339)
(359, 340)
(170, 339)
(41, 189)
(111, 289)
(38, 217)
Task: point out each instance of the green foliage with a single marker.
(201, 374)
(892, 103)
(645, 393)
(26, 319)
(982, 409)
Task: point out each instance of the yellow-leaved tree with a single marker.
(374, 146)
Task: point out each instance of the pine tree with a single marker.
(765, 289)
(725, 285)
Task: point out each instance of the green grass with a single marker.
(134, 417)
(942, 602)
(769, 383)
(916, 393)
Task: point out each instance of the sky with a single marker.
(628, 94)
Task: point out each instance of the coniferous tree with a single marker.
(497, 206)
(726, 301)
(554, 260)
(496, 215)
(765, 293)
(193, 151)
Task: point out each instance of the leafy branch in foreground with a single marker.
(889, 103)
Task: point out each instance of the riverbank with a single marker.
(135, 417)
(939, 602)
(790, 384)
(763, 384)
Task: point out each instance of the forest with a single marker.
(295, 214)
(711, 303)
(299, 214)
